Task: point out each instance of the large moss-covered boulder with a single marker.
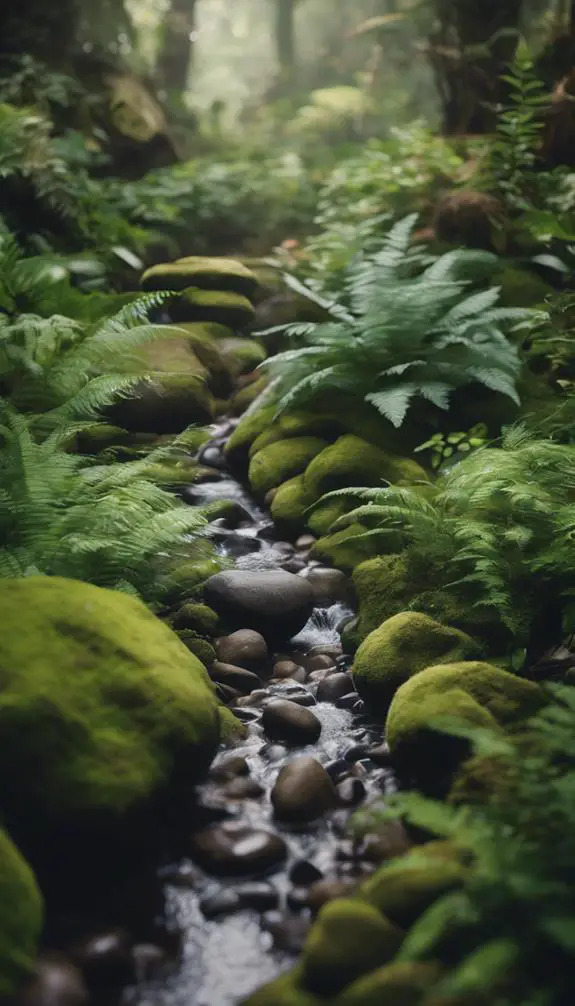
(290, 505)
(248, 429)
(246, 396)
(240, 354)
(21, 918)
(346, 548)
(101, 705)
(201, 272)
(167, 403)
(405, 888)
(349, 938)
(401, 983)
(473, 693)
(282, 461)
(325, 514)
(222, 307)
(403, 646)
(352, 461)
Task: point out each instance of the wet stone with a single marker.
(285, 669)
(238, 678)
(387, 843)
(303, 791)
(289, 934)
(273, 752)
(149, 961)
(223, 903)
(229, 768)
(305, 541)
(226, 694)
(297, 899)
(329, 585)
(323, 891)
(303, 873)
(246, 715)
(333, 687)
(380, 755)
(320, 662)
(335, 769)
(351, 792)
(260, 897)
(234, 849)
(105, 959)
(283, 720)
(294, 565)
(244, 648)
(57, 982)
(347, 701)
(303, 699)
(355, 753)
(317, 676)
(243, 789)
(255, 698)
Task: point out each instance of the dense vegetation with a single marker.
(377, 267)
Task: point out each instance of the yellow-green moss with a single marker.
(187, 577)
(348, 938)
(344, 549)
(521, 288)
(99, 699)
(198, 617)
(241, 355)
(402, 983)
(202, 272)
(250, 427)
(352, 461)
(198, 645)
(284, 991)
(203, 342)
(219, 306)
(21, 917)
(403, 646)
(232, 730)
(290, 504)
(245, 397)
(325, 513)
(282, 461)
(168, 403)
(405, 888)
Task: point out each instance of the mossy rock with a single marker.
(241, 355)
(282, 461)
(284, 991)
(101, 704)
(244, 397)
(219, 306)
(203, 342)
(290, 505)
(248, 429)
(402, 646)
(325, 514)
(348, 938)
(99, 437)
(204, 273)
(401, 983)
(405, 888)
(344, 549)
(187, 577)
(522, 288)
(352, 461)
(167, 403)
(473, 693)
(386, 586)
(173, 473)
(198, 645)
(197, 617)
(21, 918)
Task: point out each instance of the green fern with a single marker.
(496, 528)
(403, 337)
(64, 515)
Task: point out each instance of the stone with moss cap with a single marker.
(401, 983)
(202, 272)
(246, 396)
(352, 461)
(346, 548)
(241, 355)
(250, 427)
(403, 646)
(290, 505)
(405, 888)
(167, 403)
(21, 917)
(284, 991)
(219, 306)
(473, 693)
(102, 695)
(282, 461)
(349, 938)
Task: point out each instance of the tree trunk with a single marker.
(175, 57)
(469, 49)
(285, 43)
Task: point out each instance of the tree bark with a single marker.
(468, 56)
(175, 57)
(286, 43)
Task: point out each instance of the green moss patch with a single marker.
(219, 306)
(282, 461)
(352, 461)
(202, 272)
(21, 918)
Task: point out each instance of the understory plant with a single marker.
(497, 528)
(507, 935)
(62, 514)
(401, 333)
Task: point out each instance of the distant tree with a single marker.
(176, 48)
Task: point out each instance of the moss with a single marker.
(282, 461)
(198, 645)
(168, 403)
(98, 438)
(219, 306)
(198, 617)
(284, 991)
(352, 461)
(405, 888)
(21, 917)
(403, 646)
(186, 578)
(521, 288)
(349, 938)
(385, 586)
(181, 472)
(232, 730)
(200, 339)
(473, 692)
(343, 549)
(326, 513)
(204, 273)
(100, 694)
(246, 396)
(402, 983)
(290, 504)
(242, 355)
(250, 427)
